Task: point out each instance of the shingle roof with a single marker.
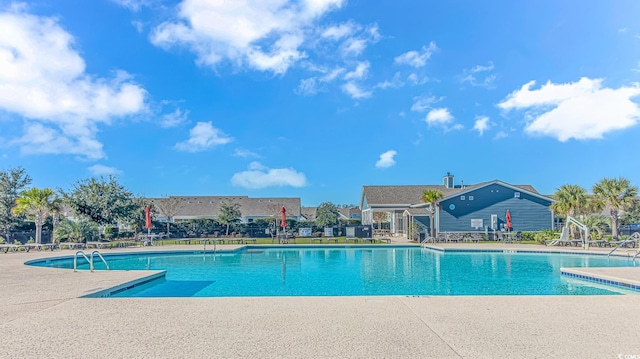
(309, 212)
(408, 195)
(209, 206)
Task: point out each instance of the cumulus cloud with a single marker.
(417, 58)
(174, 118)
(259, 176)
(481, 124)
(203, 136)
(102, 170)
(386, 159)
(355, 91)
(43, 80)
(262, 35)
(439, 116)
(580, 110)
(479, 76)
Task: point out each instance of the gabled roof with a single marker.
(309, 213)
(209, 206)
(400, 195)
(381, 196)
(528, 189)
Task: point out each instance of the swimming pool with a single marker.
(353, 271)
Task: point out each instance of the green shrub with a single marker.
(110, 232)
(528, 236)
(2, 240)
(545, 235)
(31, 241)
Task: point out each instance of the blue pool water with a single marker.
(355, 271)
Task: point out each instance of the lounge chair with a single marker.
(252, 240)
(316, 239)
(351, 239)
(332, 239)
(8, 247)
(370, 240)
(384, 239)
(599, 243)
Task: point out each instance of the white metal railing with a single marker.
(89, 259)
(96, 252)
(632, 238)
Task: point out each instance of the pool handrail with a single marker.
(634, 235)
(100, 256)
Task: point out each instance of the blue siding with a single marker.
(528, 213)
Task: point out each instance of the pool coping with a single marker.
(105, 293)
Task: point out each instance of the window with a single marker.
(516, 194)
(470, 198)
(462, 198)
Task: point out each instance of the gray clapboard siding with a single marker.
(528, 213)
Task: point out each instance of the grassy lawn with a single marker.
(198, 241)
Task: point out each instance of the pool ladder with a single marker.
(88, 259)
(204, 249)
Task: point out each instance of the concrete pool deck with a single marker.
(42, 316)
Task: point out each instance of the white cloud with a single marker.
(355, 45)
(500, 135)
(395, 82)
(359, 73)
(259, 176)
(202, 137)
(353, 90)
(439, 116)
(416, 80)
(386, 159)
(263, 35)
(475, 76)
(623, 29)
(481, 124)
(307, 87)
(338, 32)
(174, 118)
(244, 153)
(102, 170)
(133, 5)
(580, 110)
(43, 79)
(417, 58)
(423, 103)
(332, 75)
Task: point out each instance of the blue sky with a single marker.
(315, 98)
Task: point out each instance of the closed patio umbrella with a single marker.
(509, 225)
(283, 211)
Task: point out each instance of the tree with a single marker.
(168, 207)
(229, 213)
(12, 182)
(570, 200)
(75, 231)
(597, 225)
(631, 214)
(615, 194)
(326, 215)
(37, 204)
(380, 217)
(102, 200)
(432, 197)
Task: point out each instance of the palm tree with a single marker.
(615, 194)
(433, 197)
(597, 225)
(570, 200)
(75, 231)
(37, 204)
